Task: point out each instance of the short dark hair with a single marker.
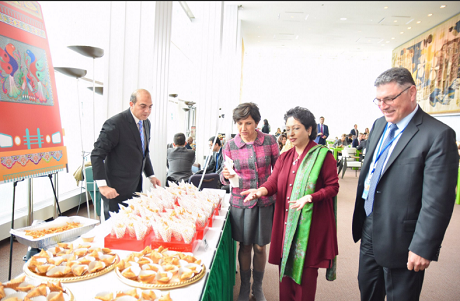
(218, 142)
(305, 117)
(244, 110)
(399, 75)
(179, 139)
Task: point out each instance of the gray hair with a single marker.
(401, 76)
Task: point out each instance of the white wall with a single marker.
(340, 90)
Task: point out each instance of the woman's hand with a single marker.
(300, 202)
(252, 194)
(226, 173)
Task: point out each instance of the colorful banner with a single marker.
(31, 136)
(434, 60)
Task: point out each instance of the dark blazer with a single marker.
(415, 196)
(117, 155)
(319, 139)
(354, 132)
(179, 162)
(212, 163)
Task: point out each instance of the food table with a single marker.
(216, 251)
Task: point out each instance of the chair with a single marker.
(349, 160)
(211, 180)
(89, 186)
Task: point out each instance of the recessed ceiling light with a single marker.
(401, 32)
(429, 15)
(395, 21)
(258, 36)
(385, 7)
(388, 41)
(442, 6)
(409, 27)
(343, 19)
(392, 38)
(292, 17)
(418, 22)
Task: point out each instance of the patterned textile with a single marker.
(299, 222)
(253, 162)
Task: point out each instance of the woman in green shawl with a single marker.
(304, 234)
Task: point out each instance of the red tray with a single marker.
(175, 245)
(127, 242)
(201, 231)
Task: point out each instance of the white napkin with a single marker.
(235, 182)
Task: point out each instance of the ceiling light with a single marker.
(306, 17)
(409, 21)
(395, 21)
(429, 15)
(297, 37)
(409, 27)
(418, 22)
(292, 17)
(343, 19)
(442, 6)
(392, 38)
(388, 41)
(385, 7)
(401, 32)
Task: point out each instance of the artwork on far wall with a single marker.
(434, 60)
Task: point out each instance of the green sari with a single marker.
(299, 222)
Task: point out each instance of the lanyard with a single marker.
(388, 145)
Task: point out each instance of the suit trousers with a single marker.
(113, 204)
(376, 281)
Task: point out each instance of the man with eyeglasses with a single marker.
(406, 192)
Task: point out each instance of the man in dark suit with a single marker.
(121, 153)
(354, 131)
(323, 132)
(180, 160)
(406, 192)
(215, 157)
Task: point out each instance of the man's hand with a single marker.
(155, 181)
(300, 202)
(226, 173)
(108, 192)
(416, 262)
(252, 194)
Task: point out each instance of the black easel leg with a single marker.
(55, 197)
(11, 235)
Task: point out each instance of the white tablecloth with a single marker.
(86, 290)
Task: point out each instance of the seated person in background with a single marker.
(350, 138)
(342, 142)
(179, 160)
(216, 157)
(355, 141)
(282, 141)
(362, 142)
(189, 144)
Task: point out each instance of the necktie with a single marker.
(369, 203)
(322, 130)
(141, 131)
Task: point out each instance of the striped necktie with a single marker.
(141, 131)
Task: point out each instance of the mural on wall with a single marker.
(434, 60)
(31, 135)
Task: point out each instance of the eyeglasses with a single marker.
(388, 100)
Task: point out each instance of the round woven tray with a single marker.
(71, 279)
(138, 284)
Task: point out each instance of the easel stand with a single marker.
(31, 251)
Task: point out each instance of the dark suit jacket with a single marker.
(319, 139)
(179, 162)
(415, 196)
(354, 132)
(117, 155)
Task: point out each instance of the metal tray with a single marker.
(52, 239)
